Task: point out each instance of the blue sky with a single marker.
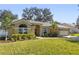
(64, 13)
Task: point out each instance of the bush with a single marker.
(54, 34)
(16, 37)
(46, 34)
(2, 37)
(30, 36)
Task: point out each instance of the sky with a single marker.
(64, 13)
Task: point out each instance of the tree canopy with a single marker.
(6, 18)
(37, 14)
(7, 13)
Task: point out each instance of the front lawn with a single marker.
(74, 34)
(40, 47)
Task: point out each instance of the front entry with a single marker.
(37, 30)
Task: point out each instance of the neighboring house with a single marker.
(75, 29)
(65, 29)
(36, 27)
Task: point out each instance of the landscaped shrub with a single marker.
(14, 37)
(22, 37)
(53, 34)
(2, 37)
(46, 35)
(30, 36)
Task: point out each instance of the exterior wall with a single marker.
(77, 26)
(64, 32)
(41, 30)
(32, 30)
(30, 27)
(15, 27)
(44, 28)
(33, 27)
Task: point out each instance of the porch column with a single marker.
(41, 30)
(32, 29)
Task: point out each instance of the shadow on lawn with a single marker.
(72, 41)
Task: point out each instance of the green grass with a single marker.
(54, 46)
(74, 34)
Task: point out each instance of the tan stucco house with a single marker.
(35, 27)
(27, 26)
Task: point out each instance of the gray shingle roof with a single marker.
(63, 25)
(46, 24)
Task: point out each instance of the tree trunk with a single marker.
(5, 35)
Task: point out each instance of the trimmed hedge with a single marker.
(52, 34)
(16, 37)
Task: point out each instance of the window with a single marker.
(23, 29)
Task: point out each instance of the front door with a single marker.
(37, 30)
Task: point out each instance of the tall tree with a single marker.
(47, 15)
(37, 14)
(6, 18)
(27, 14)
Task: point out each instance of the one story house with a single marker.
(37, 28)
(65, 29)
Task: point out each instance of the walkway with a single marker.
(47, 37)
